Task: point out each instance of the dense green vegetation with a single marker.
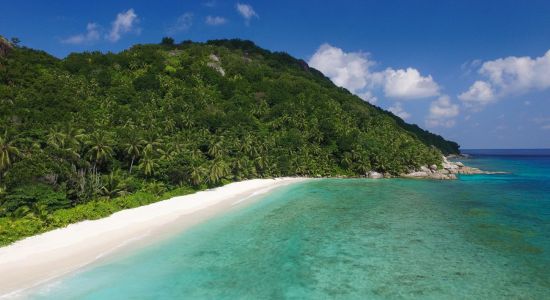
(78, 132)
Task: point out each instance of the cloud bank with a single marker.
(351, 70)
(508, 76)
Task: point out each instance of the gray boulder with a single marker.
(425, 169)
(374, 175)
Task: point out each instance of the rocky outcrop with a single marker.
(215, 64)
(5, 46)
(303, 65)
(447, 171)
(375, 175)
(429, 175)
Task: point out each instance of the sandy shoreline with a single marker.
(40, 258)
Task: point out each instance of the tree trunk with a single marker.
(132, 164)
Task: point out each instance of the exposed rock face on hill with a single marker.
(5, 46)
(215, 64)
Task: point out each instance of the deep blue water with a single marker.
(479, 237)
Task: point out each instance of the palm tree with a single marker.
(196, 155)
(216, 149)
(73, 138)
(8, 151)
(100, 148)
(148, 164)
(363, 166)
(261, 163)
(176, 146)
(169, 125)
(238, 166)
(55, 138)
(152, 144)
(133, 149)
(186, 121)
(112, 185)
(68, 141)
(246, 145)
(347, 159)
(196, 175)
(218, 170)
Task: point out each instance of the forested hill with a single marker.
(96, 125)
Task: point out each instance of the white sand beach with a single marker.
(41, 258)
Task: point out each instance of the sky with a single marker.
(476, 72)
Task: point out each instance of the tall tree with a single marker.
(148, 164)
(100, 147)
(218, 170)
(134, 148)
(8, 151)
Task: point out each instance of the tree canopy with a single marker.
(96, 125)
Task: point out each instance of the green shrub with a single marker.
(33, 197)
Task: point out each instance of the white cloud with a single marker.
(351, 70)
(183, 23)
(398, 110)
(478, 95)
(442, 113)
(367, 96)
(247, 12)
(347, 70)
(91, 35)
(215, 20)
(409, 84)
(518, 74)
(123, 23)
(545, 127)
(510, 76)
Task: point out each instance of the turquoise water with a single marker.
(479, 237)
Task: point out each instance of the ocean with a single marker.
(478, 237)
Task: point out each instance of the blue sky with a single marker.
(477, 72)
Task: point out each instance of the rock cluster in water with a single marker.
(447, 171)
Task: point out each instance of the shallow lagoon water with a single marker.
(479, 237)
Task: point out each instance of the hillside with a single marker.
(157, 117)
